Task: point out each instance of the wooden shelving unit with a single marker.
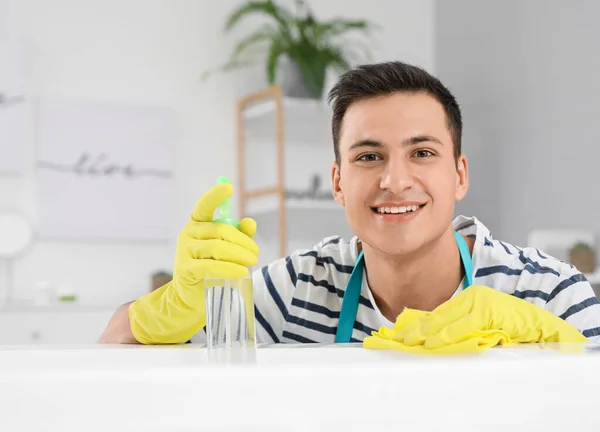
(269, 117)
(274, 95)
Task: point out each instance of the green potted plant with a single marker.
(308, 46)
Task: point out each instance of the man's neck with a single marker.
(422, 281)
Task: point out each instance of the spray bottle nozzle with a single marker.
(225, 207)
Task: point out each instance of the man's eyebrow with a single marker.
(421, 138)
(414, 140)
(366, 143)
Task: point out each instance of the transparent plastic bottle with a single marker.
(230, 313)
(230, 305)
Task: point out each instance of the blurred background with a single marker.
(116, 115)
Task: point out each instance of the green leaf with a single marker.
(310, 43)
(306, 27)
(276, 49)
(227, 67)
(335, 58)
(282, 17)
(313, 70)
(302, 8)
(267, 33)
(337, 27)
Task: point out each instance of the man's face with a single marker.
(397, 177)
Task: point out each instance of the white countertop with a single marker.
(297, 388)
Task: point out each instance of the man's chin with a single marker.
(395, 245)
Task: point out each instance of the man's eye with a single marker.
(423, 153)
(368, 157)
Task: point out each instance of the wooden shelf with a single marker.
(269, 117)
(304, 120)
(260, 207)
(293, 105)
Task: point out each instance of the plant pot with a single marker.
(292, 81)
(583, 259)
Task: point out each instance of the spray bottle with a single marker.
(229, 302)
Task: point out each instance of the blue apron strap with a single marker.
(465, 257)
(350, 303)
(352, 295)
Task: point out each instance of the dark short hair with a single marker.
(380, 79)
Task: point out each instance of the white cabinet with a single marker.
(53, 325)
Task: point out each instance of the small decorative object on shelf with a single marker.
(6, 101)
(159, 279)
(582, 256)
(308, 46)
(16, 240)
(313, 193)
(66, 296)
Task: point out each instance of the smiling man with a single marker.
(398, 172)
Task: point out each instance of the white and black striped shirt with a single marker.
(298, 298)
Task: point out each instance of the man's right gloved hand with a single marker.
(205, 249)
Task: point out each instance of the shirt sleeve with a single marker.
(273, 287)
(574, 300)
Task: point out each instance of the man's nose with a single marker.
(396, 176)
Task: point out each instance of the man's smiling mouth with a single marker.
(398, 209)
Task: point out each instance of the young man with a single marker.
(398, 172)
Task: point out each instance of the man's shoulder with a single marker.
(512, 268)
(535, 276)
(331, 260)
(334, 254)
(506, 258)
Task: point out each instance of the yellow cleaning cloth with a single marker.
(474, 320)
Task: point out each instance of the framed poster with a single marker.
(104, 171)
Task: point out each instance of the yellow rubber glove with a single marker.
(205, 249)
(474, 320)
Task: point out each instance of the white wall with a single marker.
(152, 52)
(140, 52)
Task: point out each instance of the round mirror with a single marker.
(15, 235)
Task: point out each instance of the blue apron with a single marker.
(352, 294)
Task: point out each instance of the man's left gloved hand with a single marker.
(473, 320)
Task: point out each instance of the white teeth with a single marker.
(397, 209)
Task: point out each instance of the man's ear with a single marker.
(462, 178)
(336, 183)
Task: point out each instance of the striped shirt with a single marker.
(298, 298)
